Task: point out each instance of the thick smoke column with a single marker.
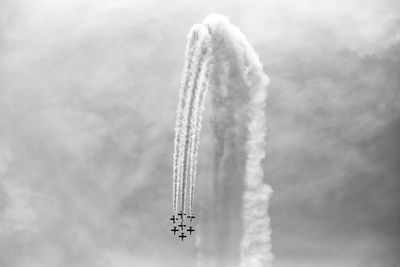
(255, 245)
(234, 226)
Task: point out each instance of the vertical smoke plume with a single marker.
(234, 226)
(190, 120)
(193, 63)
(196, 122)
(255, 245)
(187, 74)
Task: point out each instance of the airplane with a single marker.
(191, 217)
(174, 230)
(173, 219)
(182, 235)
(182, 225)
(190, 230)
(181, 214)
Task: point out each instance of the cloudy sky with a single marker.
(88, 92)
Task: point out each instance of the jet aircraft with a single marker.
(181, 225)
(190, 230)
(182, 236)
(181, 214)
(191, 217)
(173, 219)
(174, 230)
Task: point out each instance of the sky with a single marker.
(88, 93)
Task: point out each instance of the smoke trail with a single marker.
(196, 124)
(239, 199)
(183, 96)
(194, 70)
(199, 65)
(235, 228)
(255, 245)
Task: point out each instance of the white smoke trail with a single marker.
(256, 240)
(196, 122)
(255, 245)
(239, 94)
(187, 76)
(194, 65)
(199, 60)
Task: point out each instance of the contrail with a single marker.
(199, 62)
(183, 95)
(184, 131)
(255, 244)
(239, 94)
(196, 123)
(221, 218)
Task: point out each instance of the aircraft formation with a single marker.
(188, 126)
(188, 121)
(178, 225)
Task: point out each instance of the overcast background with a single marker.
(88, 92)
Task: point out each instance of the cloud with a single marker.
(365, 27)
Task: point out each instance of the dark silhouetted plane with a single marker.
(181, 214)
(174, 230)
(191, 217)
(182, 225)
(182, 235)
(173, 219)
(190, 230)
